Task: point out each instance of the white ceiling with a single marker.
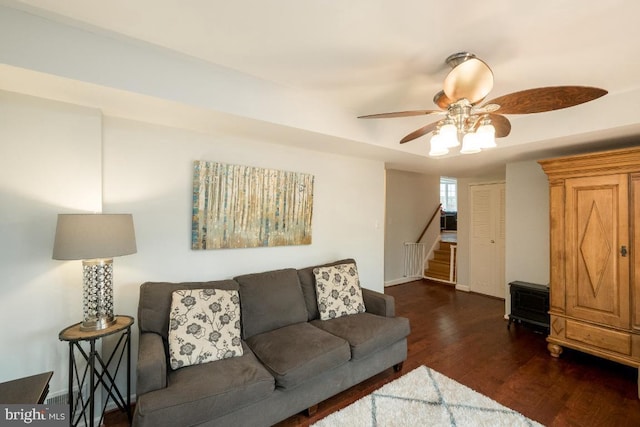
(371, 56)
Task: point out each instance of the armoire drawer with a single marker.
(606, 339)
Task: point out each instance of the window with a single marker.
(449, 194)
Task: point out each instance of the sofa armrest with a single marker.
(152, 363)
(379, 303)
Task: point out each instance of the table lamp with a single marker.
(95, 239)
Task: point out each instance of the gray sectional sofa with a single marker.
(291, 359)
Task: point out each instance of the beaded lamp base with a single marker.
(97, 300)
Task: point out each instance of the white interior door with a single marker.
(487, 229)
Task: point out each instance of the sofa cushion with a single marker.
(338, 291)
(196, 394)
(204, 326)
(366, 332)
(155, 302)
(295, 353)
(270, 300)
(308, 284)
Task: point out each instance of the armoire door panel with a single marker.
(557, 295)
(597, 275)
(635, 249)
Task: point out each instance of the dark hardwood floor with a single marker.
(465, 337)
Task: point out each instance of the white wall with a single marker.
(58, 158)
(149, 172)
(527, 225)
(410, 201)
(50, 163)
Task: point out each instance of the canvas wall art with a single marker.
(238, 206)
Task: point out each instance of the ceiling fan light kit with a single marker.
(461, 123)
(478, 126)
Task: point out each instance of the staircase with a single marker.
(439, 267)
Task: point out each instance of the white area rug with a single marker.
(424, 397)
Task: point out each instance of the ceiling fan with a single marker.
(465, 88)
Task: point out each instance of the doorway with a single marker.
(449, 210)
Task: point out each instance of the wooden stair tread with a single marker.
(439, 266)
(438, 263)
(441, 255)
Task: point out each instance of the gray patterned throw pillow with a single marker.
(204, 325)
(338, 291)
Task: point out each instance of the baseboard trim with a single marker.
(401, 281)
(435, 279)
(463, 288)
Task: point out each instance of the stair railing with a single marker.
(435, 212)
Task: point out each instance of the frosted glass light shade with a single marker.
(486, 136)
(470, 144)
(438, 147)
(449, 135)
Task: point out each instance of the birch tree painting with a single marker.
(242, 206)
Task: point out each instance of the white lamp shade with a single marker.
(470, 144)
(438, 148)
(449, 135)
(486, 136)
(91, 236)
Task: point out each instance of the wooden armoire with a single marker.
(594, 202)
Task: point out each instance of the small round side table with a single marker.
(96, 372)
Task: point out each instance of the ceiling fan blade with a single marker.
(543, 99)
(419, 132)
(472, 79)
(501, 124)
(401, 114)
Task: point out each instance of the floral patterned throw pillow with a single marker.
(204, 325)
(338, 291)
